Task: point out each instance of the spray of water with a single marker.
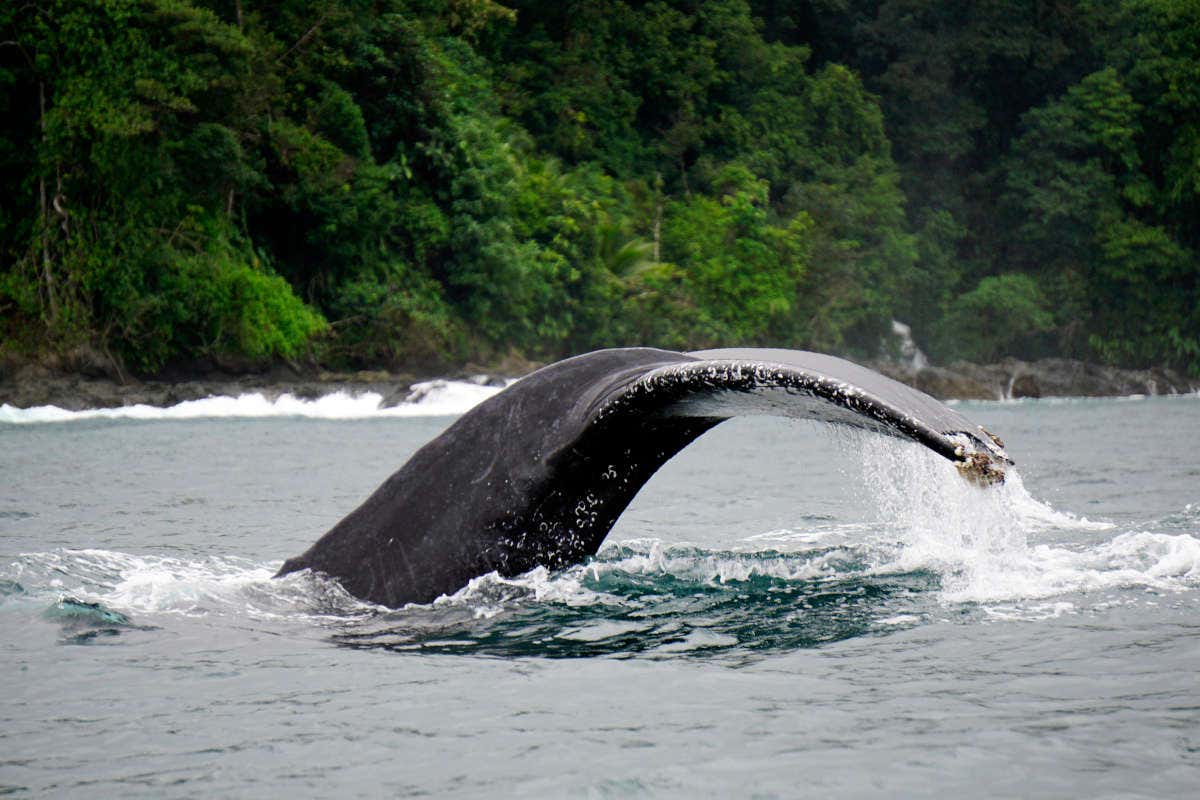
(999, 544)
(997, 547)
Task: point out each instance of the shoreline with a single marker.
(31, 385)
(1014, 379)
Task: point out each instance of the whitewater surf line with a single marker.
(426, 399)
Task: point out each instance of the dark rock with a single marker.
(1026, 386)
(513, 364)
(90, 363)
(309, 391)
(957, 384)
(495, 381)
(1048, 377)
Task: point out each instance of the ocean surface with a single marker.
(785, 610)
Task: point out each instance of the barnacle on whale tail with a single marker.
(980, 469)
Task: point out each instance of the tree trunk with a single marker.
(658, 209)
(44, 215)
(658, 231)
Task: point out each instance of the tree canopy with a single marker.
(379, 182)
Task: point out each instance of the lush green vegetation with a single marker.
(379, 182)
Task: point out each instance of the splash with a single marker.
(649, 599)
(633, 567)
(984, 541)
(428, 399)
(937, 546)
(147, 584)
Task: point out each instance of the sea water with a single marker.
(785, 610)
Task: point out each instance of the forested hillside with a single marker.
(384, 182)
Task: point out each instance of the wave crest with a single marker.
(428, 399)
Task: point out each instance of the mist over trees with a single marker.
(420, 182)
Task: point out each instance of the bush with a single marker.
(403, 320)
(998, 317)
(217, 305)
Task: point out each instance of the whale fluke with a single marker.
(538, 474)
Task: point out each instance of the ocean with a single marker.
(785, 610)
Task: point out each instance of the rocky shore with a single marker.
(1013, 379)
(27, 385)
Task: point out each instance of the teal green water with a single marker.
(783, 611)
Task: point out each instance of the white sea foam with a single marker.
(177, 586)
(651, 556)
(488, 595)
(428, 399)
(190, 587)
(585, 584)
(1004, 574)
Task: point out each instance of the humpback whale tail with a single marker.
(538, 474)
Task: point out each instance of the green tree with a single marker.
(741, 272)
(136, 165)
(996, 318)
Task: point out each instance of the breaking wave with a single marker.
(428, 399)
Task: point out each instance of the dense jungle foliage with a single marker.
(386, 182)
